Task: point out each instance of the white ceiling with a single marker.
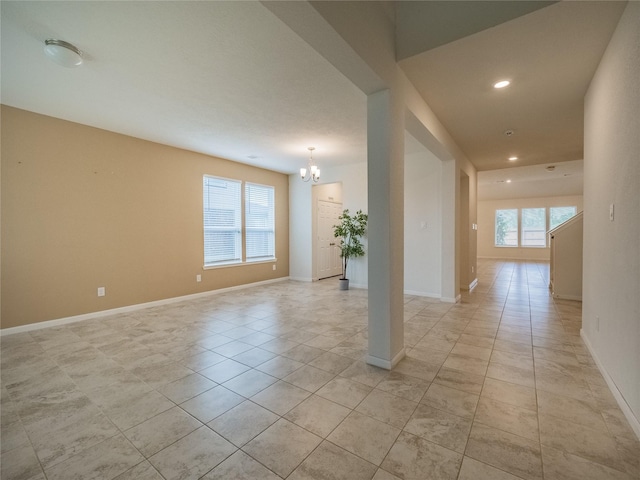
(230, 79)
(223, 78)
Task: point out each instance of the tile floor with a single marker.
(269, 383)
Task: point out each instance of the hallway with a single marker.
(269, 382)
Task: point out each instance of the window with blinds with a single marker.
(259, 221)
(222, 221)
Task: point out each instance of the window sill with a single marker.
(239, 264)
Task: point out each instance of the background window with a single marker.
(259, 221)
(558, 215)
(222, 221)
(507, 228)
(534, 227)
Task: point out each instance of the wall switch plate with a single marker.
(101, 291)
(198, 278)
(274, 266)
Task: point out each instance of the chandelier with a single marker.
(312, 169)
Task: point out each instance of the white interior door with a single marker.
(329, 263)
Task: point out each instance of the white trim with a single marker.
(130, 308)
(566, 297)
(473, 284)
(451, 300)
(386, 364)
(301, 279)
(624, 406)
(514, 259)
(422, 294)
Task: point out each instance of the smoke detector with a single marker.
(508, 133)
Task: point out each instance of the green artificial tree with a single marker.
(350, 230)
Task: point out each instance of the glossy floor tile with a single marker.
(270, 383)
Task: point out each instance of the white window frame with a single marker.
(495, 226)
(521, 228)
(236, 228)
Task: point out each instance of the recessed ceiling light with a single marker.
(513, 159)
(508, 181)
(502, 84)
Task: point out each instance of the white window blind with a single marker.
(259, 221)
(222, 221)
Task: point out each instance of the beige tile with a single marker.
(511, 374)
(250, 382)
(161, 431)
(111, 458)
(417, 368)
(280, 366)
(451, 400)
(187, 387)
(514, 347)
(331, 362)
(412, 457)
(559, 465)
(512, 359)
(505, 451)
(254, 357)
(474, 470)
(466, 364)
(510, 418)
(318, 415)
(472, 351)
(223, 371)
(309, 378)
(368, 375)
(142, 471)
(208, 405)
(594, 445)
(240, 466)
(387, 408)
(329, 461)
(476, 340)
(459, 380)
(21, 463)
(510, 393)
(405, 386)
(384, 475)
(282, 446)
(280, 397)
(584, 412)
(192, 456)
(439, 427)
(243, 422)
(344, 391)
(365, 437)
(303, 353)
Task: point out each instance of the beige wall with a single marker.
(84, 208)
(487, 218)
(611, 273)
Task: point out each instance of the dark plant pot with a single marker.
(344, 283)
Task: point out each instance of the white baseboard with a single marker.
(422, 294)
(386, 364)
(567, 297)
(301, 279)
(472, 285)
(130, 308)
(451, 300)
(622, 403)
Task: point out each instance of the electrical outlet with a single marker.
(473, 269)
(274, 266)
(198, 278)
(101, 291)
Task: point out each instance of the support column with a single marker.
(385, 172)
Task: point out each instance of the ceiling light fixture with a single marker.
(312, 169)
(509, 181)
(501, 84)
(62, 53)
(513, 159)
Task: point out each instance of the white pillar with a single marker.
(385, 172)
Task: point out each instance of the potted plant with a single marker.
(350, 230)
